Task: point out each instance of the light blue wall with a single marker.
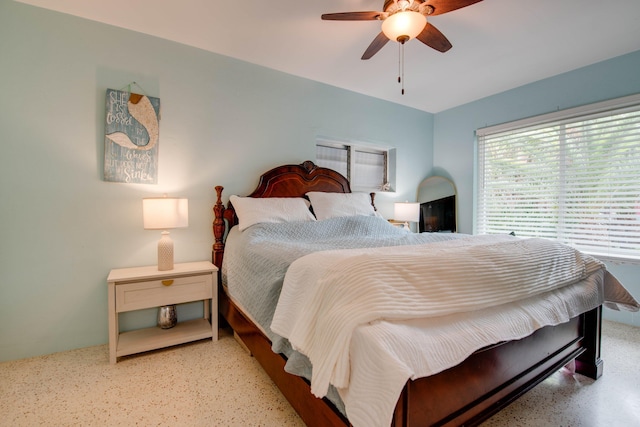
(454, 143)
(223, 123)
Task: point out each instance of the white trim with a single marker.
(356, 142)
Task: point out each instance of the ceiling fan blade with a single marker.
(377, 44)
(432, 37)
(444, 6)
(352, 16)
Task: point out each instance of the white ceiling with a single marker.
(497, 44)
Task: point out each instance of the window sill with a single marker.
(616, 260)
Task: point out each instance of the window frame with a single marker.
(351, 148)
(582, 115)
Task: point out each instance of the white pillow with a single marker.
(331, 205)
(251, 210)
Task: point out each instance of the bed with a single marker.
(464, 394)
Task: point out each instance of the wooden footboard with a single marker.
(493, 377)
(466, 394)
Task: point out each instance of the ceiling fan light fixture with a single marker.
(404, 26)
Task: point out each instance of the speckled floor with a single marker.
(218, 384)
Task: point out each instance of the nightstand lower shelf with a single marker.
(147, 339)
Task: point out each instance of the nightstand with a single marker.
(138, 288)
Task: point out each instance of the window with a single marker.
(366, 166)
(572, 176)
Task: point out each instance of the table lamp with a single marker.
(407, 212)
(164, 213)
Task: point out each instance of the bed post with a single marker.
(589, 363)
(218, 229)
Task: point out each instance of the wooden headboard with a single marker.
(281, 181)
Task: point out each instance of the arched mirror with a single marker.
(438, 205)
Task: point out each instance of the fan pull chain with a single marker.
(401, 66)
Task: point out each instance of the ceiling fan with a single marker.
(403, 20)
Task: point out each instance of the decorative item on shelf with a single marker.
(167, 316)
(407, 212)
(163, 213)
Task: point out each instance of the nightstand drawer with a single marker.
(154, 293)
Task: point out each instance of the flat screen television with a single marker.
(438, 215)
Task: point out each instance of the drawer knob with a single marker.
(167, 282)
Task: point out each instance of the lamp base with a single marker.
(165, 252)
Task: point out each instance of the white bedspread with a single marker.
(355, 313)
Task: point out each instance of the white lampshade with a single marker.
(404, 25)
(409, 212)
(163, 213)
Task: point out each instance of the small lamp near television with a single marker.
(407, 212)
(164, 213)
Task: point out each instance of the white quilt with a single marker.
(337, 306)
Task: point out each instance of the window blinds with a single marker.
(572, 176)
(366, 168)
(369, 169)
(333, 157)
